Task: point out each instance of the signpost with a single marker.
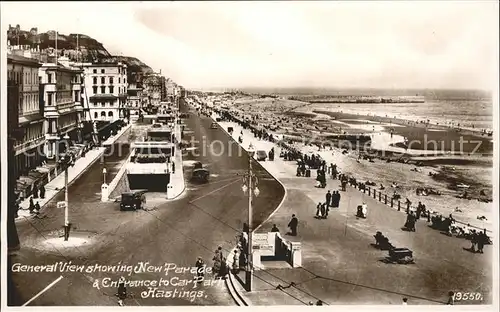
(61, 205)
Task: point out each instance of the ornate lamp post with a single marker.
(250, 183)
(66, 161)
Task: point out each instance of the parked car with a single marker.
(261, 155)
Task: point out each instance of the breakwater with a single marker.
(361, 99)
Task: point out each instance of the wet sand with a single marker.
(423, 137)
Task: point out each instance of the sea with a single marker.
(469, 113)
(467, 107)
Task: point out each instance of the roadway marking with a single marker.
(43, 290)
(216, 190)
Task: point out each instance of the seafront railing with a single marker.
(396, 203)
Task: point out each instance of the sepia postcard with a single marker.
(266, 154)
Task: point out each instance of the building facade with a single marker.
(134, 101)
(105, 91)
(28, 147)
(153, 89)
(172, 91)
(62, 105)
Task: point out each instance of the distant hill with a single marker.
(91, 50)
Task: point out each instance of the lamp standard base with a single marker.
(248, 280)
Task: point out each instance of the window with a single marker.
(96, 115)
(111, 89)
(94, 80)
(110, 80)
(95, 71)
(119, 80)
(124, 80)
(103, 114)
(103, 104)
(102, 71)
(94, 89)
(103, 80)
(49, 98)
(103, 89)
(110, 114)
(76, 96)
(49, 78)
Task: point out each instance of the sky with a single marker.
(327, 44)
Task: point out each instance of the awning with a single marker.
(100, 97)
(34, 118)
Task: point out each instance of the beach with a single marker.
(448, 169)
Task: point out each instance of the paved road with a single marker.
(177, 232)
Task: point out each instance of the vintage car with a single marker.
(133, 200)
(200, 175)
(261, 155)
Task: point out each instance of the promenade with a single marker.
(339, 265)
(56, 185)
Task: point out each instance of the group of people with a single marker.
(38, 191)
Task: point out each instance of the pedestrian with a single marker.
(405, 301)
(323, 211)
(318, 210)
(364, 209)
(173, 166)
(294, 222)
(473, 241)
(122, 291)
(337, 199)
(217, 261)
(319, 303)
(35, 191)
(200, 269)
(275, 229)
(327, 209)
(481, 240)
(42, 191)
(328, 198)
(408, 204)
(37, 207)
(451, 298)
(236, 261)
(32, 205)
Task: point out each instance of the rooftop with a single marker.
(12, 58)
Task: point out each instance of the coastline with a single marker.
(475, 169)
(447, 138)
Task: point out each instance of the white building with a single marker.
(61, 85)
(105, 90)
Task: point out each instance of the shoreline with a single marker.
(474, 170)
(422, 136)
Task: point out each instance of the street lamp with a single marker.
(104, 175)
(250, 183)
(66, 161)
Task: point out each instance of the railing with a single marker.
(396, 203)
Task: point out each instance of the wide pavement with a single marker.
(205, 217)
